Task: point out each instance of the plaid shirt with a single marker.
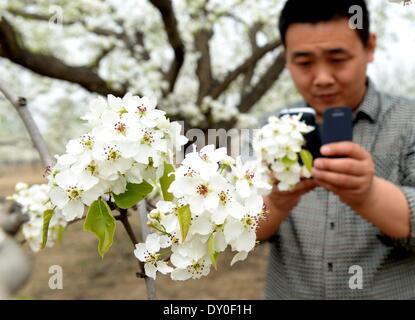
(323, 245)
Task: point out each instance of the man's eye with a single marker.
(304, 63)
(338, 60)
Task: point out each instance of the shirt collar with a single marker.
(370, 107)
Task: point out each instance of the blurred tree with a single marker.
(211, 63)
(206, 61)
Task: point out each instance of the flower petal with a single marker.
(73, 209)
(163, 267)
(58, 197)
(150, 270)
(239, 257)
(180, 261)
(180, 274)
(153, 243)
(140, 251)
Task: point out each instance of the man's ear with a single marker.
(371, 47)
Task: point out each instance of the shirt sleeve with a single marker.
(407, 186)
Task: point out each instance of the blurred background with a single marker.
(211, 63)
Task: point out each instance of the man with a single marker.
(347, 233)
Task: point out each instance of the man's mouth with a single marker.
(326, 97)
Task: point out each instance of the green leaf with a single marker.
(211, 249)
(99, 221)
(166, 180)
(287, 161)
(59, 237)
(307, 159)
(133, 194)
(185, 218)
(47, 215)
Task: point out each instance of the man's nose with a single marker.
(323, 77)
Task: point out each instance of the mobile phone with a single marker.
(337, 125)
(312, 139)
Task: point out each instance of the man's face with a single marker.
(328, 63)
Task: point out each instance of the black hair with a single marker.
(315, 11)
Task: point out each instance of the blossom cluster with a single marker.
(129, 142)
(34, 201)
(216, 203)
(279, 148)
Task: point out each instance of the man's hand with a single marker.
(279, 205)
(285, 201)
(351, 177)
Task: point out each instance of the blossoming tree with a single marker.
(172, 50)
(202, 205)
(205, 204)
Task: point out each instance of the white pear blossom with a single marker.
(216, 202)
(221, 215)
(129, 142)
(206, 160)
(149, 253)
(145, 110)
(73, 191)
(241, 227)
(278, 145)
(152, 146)
(34, 201)
(117, 127)
(191, 260)
(113, 159)
(248, 175)
(97, 107)
(201, 194)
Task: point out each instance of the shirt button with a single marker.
(330, 266)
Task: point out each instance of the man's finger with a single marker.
(327, 186)
(342, 165)
(338, 180)
(345, 148)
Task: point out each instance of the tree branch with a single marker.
(142, 214)
(35, 16)
(39, 143)
(95, 64)
(151, 289)
(253, 31)
(99, 31)
(166, 10)
(47, 17)
(139, 38)
(48, 65)
(263, 85)
(247, 65)
(204, 68)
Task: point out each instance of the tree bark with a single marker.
(13, 49)
(166, 10)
